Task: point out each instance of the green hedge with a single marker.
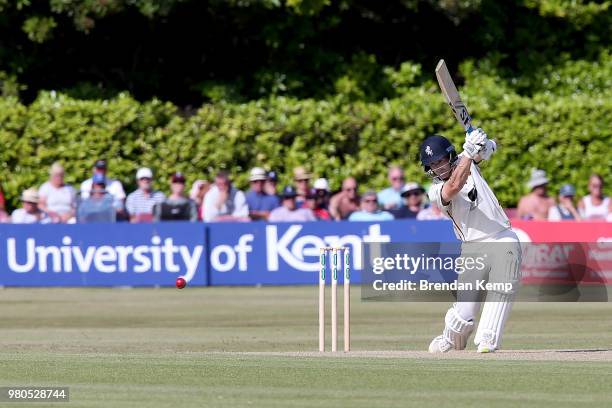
(568, 135)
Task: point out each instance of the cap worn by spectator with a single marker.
(567, 190)
(30, 196)
(272, 176)
(538, 178)
(144, 172)
(412, 193)
(30, 213)
(411, 188)
(100, 164)
(288, 211)
(300, 173)
(289, 192)
(321, 184)
(537, 203)
(565, 209)
(177, 177)
(257, 174)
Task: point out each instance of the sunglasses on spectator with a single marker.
(144, 178)
(412, 193)
(369, 201)
(302, 180)
(350, 189)
(397, 178)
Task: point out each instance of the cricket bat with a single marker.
(449, 90)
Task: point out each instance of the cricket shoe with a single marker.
(487, 343)
(440, 345)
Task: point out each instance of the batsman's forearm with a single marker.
(457, 179)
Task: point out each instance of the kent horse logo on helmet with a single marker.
(429, 151)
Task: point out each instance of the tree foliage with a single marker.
(190, 51)
(564, 130)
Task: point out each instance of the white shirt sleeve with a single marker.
(435, 194)
(241, 208)
(273, 217)
(582, 211)
(86, 188)
(310, 216)
(43, 191)
(116, 189)
(553, 214)
(210, 209)
(129, 204)
(17, 217)
(73, 196)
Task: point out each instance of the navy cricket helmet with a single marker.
(435, 148)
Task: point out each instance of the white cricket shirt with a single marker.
(475, 211)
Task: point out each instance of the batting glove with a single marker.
(474, 142)
(488, 150)
(471, 150)
(476, 137)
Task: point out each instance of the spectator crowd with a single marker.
(101, 198)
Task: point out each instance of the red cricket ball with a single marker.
(181, 283)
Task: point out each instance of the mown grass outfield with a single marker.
(253, 347)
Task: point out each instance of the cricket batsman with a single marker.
(462, 194)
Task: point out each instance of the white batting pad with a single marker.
(456, 330)
(495, 312)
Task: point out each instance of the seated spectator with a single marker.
(176, 207)
(289, 211)
(224, 202)
(431, 212)
(100, 205)
(412, 194)
(346, 201)
(114, 187)
(302, 184)
(369, 210)
(56, 198)
(271, 183)
(3, 215)
(315, 200)
(565, 210)
(140, 203)
(29, 213)
(259, 202)
(321, 186)
(595, 206)
(535, 205)
(199, 188)
(391, 197)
